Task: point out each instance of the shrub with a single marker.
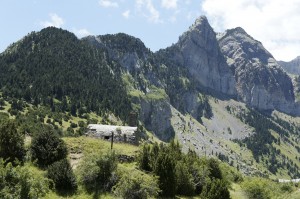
(257, 188)
(134, 184)
(11, 142)
(185, 184)
(97, 171)
(73, 125)
(47, 147)
(216, 189)
(144, 158)
(62, 175)
(165, 170)
(22, 182)
(215, 171)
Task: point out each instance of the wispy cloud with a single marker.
(149, 11)
(55, 21)
(126, 14)
(108, 4)
(273, 22)
(169, 4)
(81, 32)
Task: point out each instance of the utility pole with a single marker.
(112, 140)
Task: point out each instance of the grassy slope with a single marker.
(237, 193)
(86, 145)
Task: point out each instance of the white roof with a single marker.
(110, 128)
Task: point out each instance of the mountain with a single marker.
(220, 95)
(54, 64)
(261, 82)
(198, 51)
(292, 67)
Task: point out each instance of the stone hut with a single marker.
(105, 132)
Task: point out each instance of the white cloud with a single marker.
(56, 21)
(152, 14)
(169, 4)
(126, 14)
(108, 4)
(81, 32)
(273, 22)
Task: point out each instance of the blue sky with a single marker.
(158, 23)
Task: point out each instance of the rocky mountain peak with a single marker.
(237, 30)
(291, 67)
(198, 51)
(261, 82)
(199, 23)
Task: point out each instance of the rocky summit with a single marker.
(260, 81)
(219, 94)
(198, 51)
(291, 67)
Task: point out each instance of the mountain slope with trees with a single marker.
(51, 81)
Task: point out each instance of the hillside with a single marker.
(220, 95)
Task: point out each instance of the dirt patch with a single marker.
(75, 159)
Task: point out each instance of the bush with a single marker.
(22, 182)
(165, 170)
(11, 142)
(97, 171)
(134, 184)
(73, 125)
(47, 148)
(257, 188)
(185, 184)
(62, 175)
(216, 189)
(144, 158)
(214, 167)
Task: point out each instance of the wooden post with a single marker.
(112, 140)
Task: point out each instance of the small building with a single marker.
(105, 132)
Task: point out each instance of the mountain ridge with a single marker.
(204, 90)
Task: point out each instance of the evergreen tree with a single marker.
(166, 171)
(47, 147)
(11, 142)
(62, 175)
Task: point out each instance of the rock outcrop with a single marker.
(127, 50)
(261, 82)
(198, 51)
(291, 67)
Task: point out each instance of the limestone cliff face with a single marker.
(198, 51)
(156, 115)
(261, 82)
(291, 67)
(127, 50)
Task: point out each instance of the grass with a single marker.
(156, 94)
(236, 192)
(88, 145)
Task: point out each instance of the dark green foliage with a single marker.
(62, 175)
(165, 170)
(216, 189)
(183, 174)
(11, 142)
(261, 143)
(97, 171)
(21, 182)
(2, 103)
(185, 182)
(47, 147)
(54, 64)
(144, 161)
(215, 171)
(134, 184)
